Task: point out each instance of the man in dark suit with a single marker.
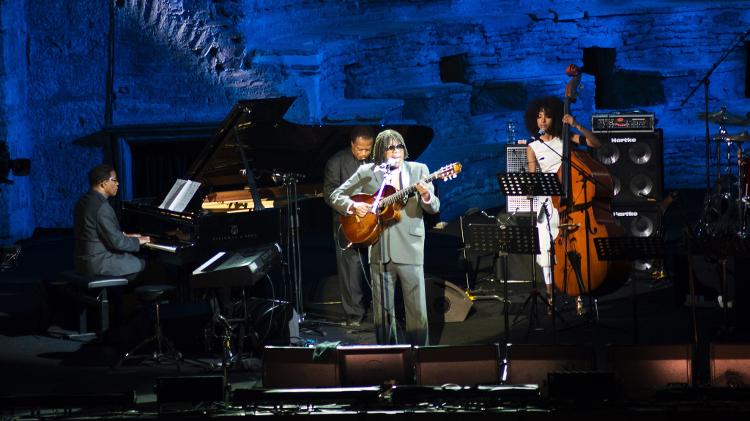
(400, 249)
(349, 264)
(101, 248)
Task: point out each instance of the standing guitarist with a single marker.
(350, 269)
(399, 253)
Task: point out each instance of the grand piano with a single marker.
(254, 173)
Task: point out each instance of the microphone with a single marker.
(387, 165)
(648, 198)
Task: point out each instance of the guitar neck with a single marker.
(401, 194)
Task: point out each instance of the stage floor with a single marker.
(38, 359)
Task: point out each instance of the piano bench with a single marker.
(90, 291)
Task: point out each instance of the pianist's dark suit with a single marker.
(100, 246)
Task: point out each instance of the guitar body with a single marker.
(365, 231)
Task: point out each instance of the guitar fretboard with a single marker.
(405, 192)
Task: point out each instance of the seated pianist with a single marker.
(101, 248)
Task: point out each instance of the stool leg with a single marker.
(162, 344)
(104, 310)
(158, 331)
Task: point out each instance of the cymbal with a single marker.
(724, 117)
(741, 137)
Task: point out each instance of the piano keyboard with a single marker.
(168, 247)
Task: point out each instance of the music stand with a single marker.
(530, 185)
(721, 247)
(630, 248)
(500, 240)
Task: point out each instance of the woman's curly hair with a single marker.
(552, 107)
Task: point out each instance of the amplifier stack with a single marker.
(632, 151)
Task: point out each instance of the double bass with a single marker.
(585, 214)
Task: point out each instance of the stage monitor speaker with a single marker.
(446, 301)
(635, 161)
(467, 365)
(730, 365)
(373, 365)
(294, 367)
(533, 363)
(189, 389)
(639, 220)
(644, 369)
(582, 387)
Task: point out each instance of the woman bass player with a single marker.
(544, 121)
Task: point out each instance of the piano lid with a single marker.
(272, 144)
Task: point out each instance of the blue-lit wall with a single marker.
(367, 61)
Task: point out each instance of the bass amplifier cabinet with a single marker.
(515, 161)
(635, 161)
(639, 220)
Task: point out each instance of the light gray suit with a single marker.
(402, 249)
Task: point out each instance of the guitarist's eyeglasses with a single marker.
(394, 147)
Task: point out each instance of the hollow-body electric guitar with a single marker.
(386, 207)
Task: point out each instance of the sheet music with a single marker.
(179, 195)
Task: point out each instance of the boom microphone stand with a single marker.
(706, 81)
(293, 261)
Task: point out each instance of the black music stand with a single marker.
(500, 240)
(722, 248)
(530, 185)
(630, 248)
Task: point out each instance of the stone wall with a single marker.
(461, 67)
(16, 212)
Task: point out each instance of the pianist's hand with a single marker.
(361, 208)
(143, 239)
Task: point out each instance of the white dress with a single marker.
(548, 158)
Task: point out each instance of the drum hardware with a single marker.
(743, 136)
(724, 117)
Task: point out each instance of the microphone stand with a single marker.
(551, 253)
(585, 175)
(382, 332)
